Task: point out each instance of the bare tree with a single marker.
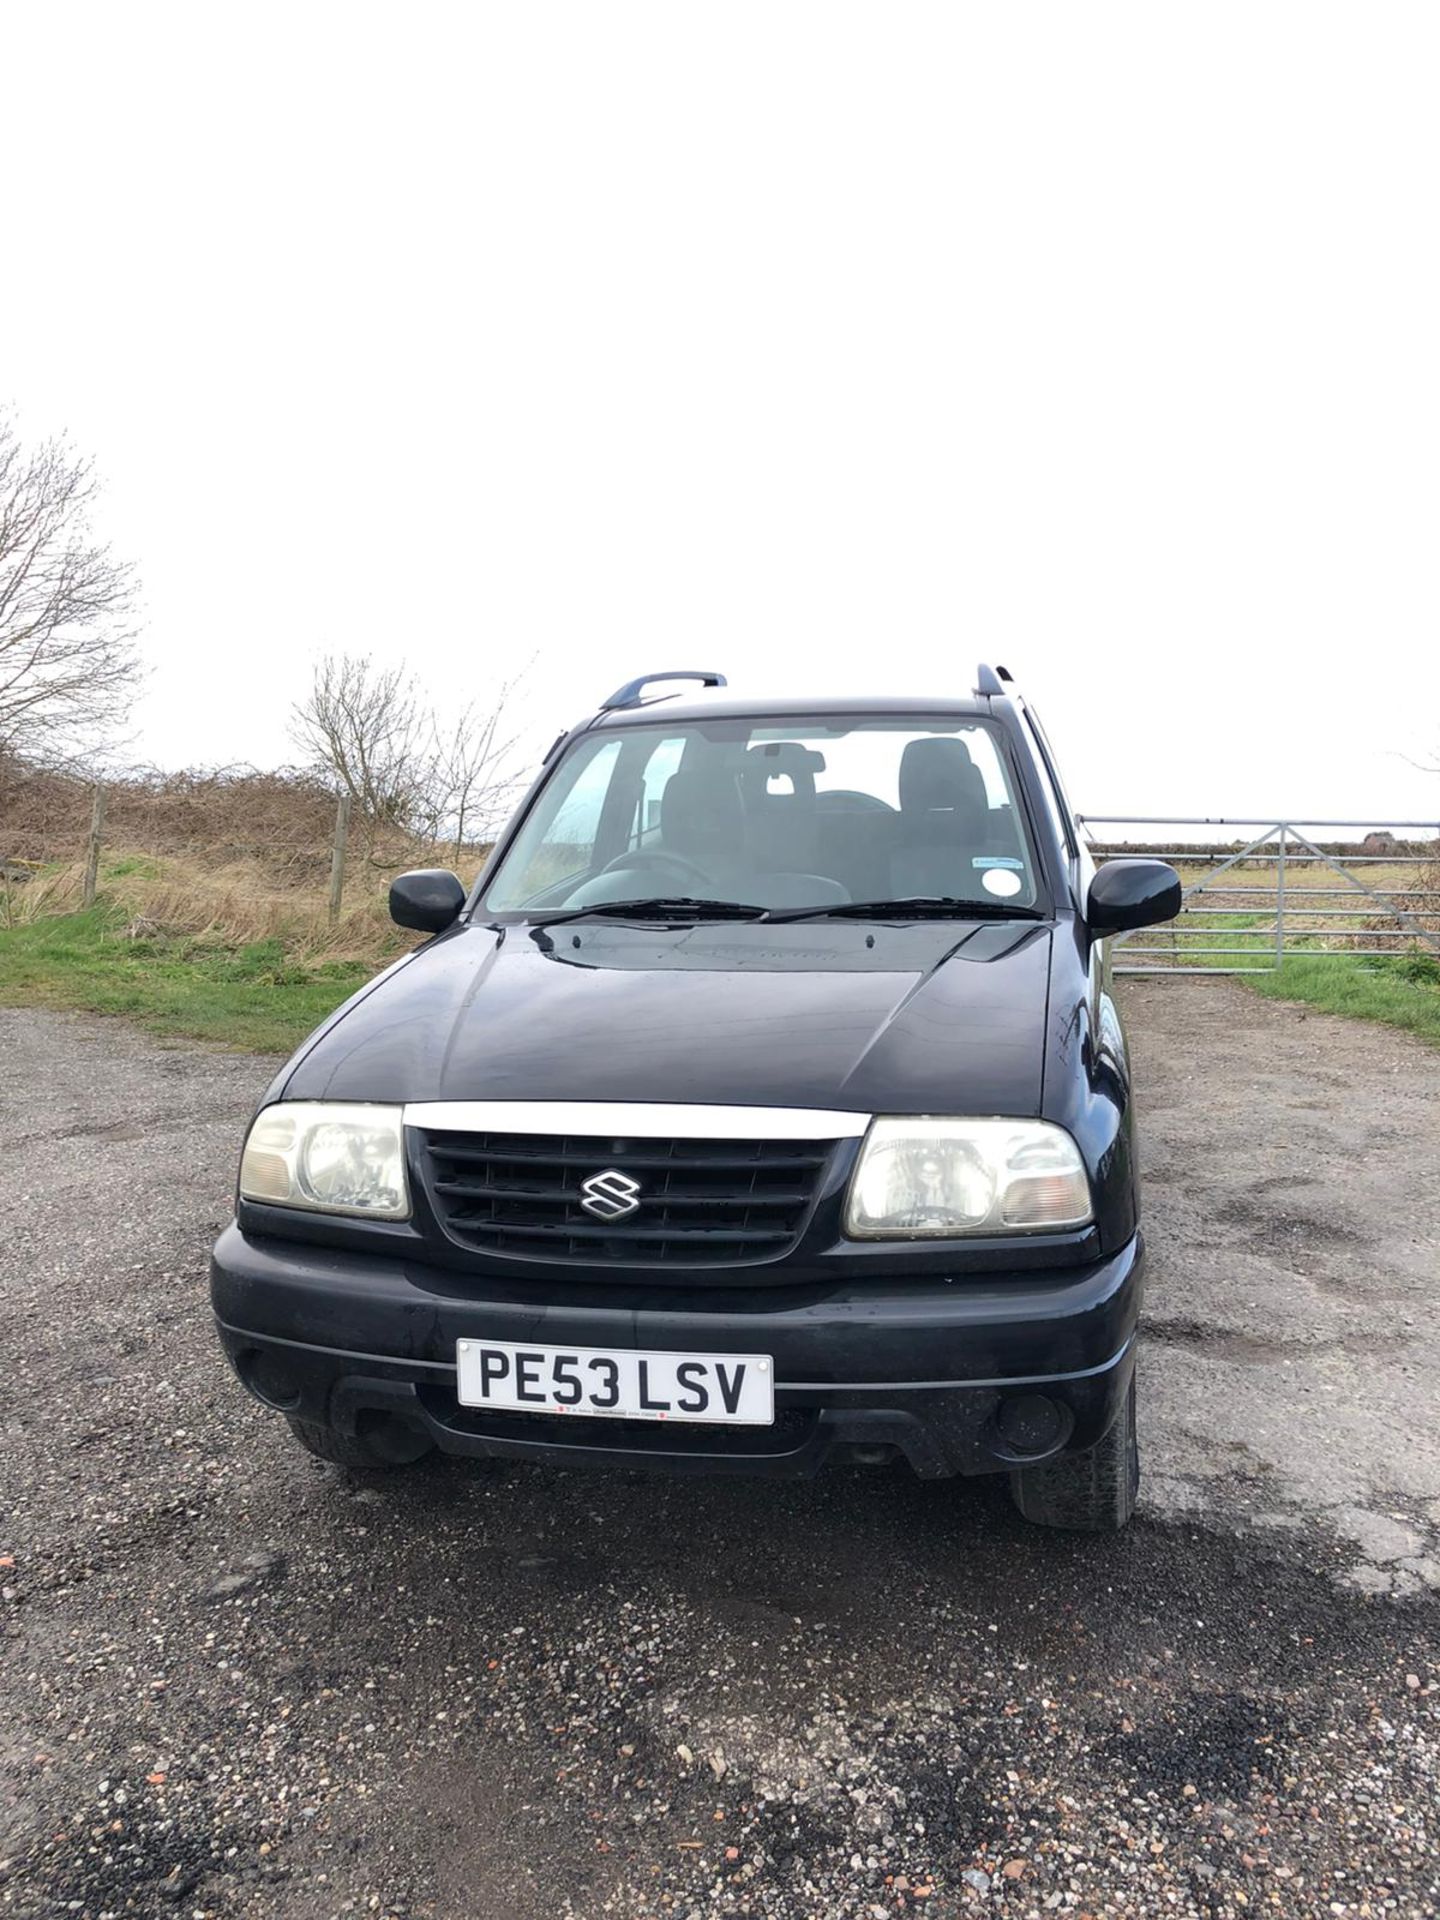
(68, 659)
(362, 727)
(470, 779)
(370, 733)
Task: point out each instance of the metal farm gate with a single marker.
(1271, 889)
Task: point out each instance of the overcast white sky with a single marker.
(829, 345)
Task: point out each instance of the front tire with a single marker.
(1089, 1492)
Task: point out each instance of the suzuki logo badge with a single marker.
(610, 1195)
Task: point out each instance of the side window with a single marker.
(1054, 800)
(664, 761)
(577, 820)
(557, 842)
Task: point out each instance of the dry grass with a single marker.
(213, 949)
(234, 903)
(227, 857)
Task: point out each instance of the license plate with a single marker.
(734, 1389)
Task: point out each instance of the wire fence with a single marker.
(1255, 891)
(285, 820)
(283, 834)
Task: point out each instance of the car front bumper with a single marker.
(953, 1375)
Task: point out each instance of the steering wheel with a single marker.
(658, 857)
(851, 802)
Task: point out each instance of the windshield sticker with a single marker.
(996, 860)
(1001, 881)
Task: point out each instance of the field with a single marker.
(224, 954)
(238, 952)
(255, 995)
(211, 916)
(1341, 953)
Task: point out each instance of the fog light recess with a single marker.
(270, 1378)
(1032, 1424)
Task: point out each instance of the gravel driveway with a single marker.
(236, 1685)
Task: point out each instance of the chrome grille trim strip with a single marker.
(636, 1120)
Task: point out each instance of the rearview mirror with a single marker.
(1132, 893)
(429, 899)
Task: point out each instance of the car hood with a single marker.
(944, 1017)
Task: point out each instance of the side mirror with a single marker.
(428, 899)
(1132, 893)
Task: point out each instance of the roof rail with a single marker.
(992, 680)
(629, 694)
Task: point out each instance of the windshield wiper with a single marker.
(918, 907)
(670, 907)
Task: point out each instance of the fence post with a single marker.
(1280, 898)
(337, 855)
(92, 849)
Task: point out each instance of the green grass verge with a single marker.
(252, 998)
(265, 999)
(1386, 989)
(1395, 989)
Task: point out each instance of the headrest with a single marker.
(939, 774)
(777, 759)
(700, 810)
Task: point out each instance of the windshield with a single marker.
(807, 813)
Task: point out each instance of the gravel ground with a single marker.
(238, 1686)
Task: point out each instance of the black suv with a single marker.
(764, 1104)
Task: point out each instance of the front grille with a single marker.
(700, 1202)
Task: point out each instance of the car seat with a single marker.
(944, 822)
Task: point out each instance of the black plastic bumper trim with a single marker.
(822, 1389)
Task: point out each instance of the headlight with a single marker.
(951, 1177)
(329, 1157)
